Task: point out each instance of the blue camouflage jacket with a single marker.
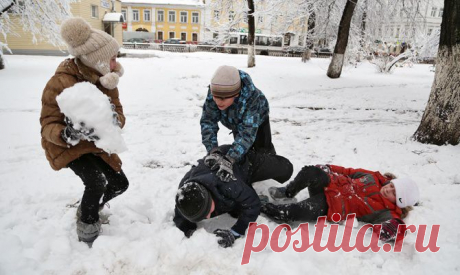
(243, 117)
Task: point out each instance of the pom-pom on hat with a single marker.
(193, 201)
(93, 47)
(407, 193)
(226, 82)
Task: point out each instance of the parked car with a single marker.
(137, 40)
(173, 41)
(323, 51)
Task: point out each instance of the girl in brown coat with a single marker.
(95, 61)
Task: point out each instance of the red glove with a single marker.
(389, 230)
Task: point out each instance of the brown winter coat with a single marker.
(58, 152)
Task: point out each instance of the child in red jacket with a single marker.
(373, 197)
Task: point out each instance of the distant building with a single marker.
(401, 31)
(98, 13)
(164, 19)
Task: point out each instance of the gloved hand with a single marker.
(115, 119)
(88, 133)
(225, 172)
(69, 134)
(213, 157)
(226, 237)
(389, 230)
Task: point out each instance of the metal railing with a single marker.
(188, 48)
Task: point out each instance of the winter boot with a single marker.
(104, 218)
(277, 193)
(88, 232)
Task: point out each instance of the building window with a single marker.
(172, 16)
(261, 19)
(183, 17)
(183, 36)
(160, 35)
(441, 11)
(195, 17)
(194, 37)
(146, 15)
(136, 15)
(231, 16)
(160, 16)
(216, 15)
(94, 11)
(433, 11)
(124, 15)
(172, 34)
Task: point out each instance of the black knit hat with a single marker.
(193, 201)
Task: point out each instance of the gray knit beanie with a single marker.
(93, 47)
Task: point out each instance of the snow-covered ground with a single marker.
(362, 119)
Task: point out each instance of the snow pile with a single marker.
(84, 104)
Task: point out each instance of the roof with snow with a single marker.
(165, 2)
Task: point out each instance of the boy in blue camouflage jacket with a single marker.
(234, 101)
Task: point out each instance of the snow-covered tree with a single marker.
(441, 120)
(41, 18)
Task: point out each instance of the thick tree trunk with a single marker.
(335, 68)
(251, 35)
(441, 120)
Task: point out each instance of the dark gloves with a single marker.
(389, 230)
(213, 157)
(225, 172)
(325, 168)
(226, 237)
(115, 119)
(73, 136)
(69, 134)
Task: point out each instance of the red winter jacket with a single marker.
(358, 191)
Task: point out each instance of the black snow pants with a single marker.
(100, 180)
(263, 142)
(315, 180)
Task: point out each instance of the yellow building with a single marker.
(95, 12)
(165, 19)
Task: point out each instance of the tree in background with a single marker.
(441, 120)
(41, 18)
(335, 67)
(251, 35)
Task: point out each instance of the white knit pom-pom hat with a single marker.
(93, 47)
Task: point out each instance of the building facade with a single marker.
(165, 19)
(93, 11)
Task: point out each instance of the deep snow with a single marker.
(362, 119)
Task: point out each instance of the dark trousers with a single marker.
(263, 142)
(315, 180)
(100, 180)
(264, 166)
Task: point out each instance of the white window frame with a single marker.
(186, 16)
(92, 11)
(169, 16)
(150, 15)
(169, 34)
(433, 11)
(162, 15)
(134, 17)
(195, 15)
(196, 37)
(125, 14)
(441, 11)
